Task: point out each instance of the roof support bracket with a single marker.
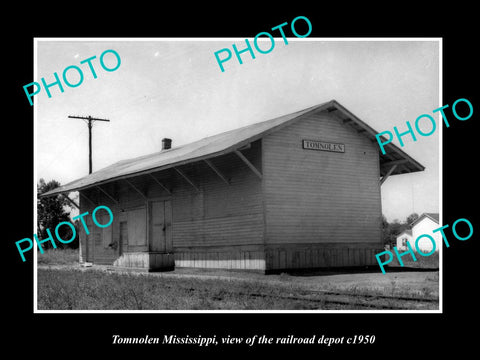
(248, 163)
(217, 171)
(71, 201)
(390, 171)
(396, 162)
(160, 184)
(137, 189)
(107, 194)
(89, 200)
(182, 174)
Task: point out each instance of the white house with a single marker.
(425, 224)
(402, 239)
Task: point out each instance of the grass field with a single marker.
(422, 262)
(64, 285)
(58, 257)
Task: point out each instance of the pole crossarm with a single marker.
(89, 118)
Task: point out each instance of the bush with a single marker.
(57, 257)
(423, 262)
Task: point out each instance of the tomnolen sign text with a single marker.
(323, 146)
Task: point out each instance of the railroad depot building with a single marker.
(298, 191)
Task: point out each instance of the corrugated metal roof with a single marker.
(220, 144)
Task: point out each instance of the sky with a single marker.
(174, 88)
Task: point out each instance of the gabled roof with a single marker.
(230, 141)
(433, 216)
(406, 232)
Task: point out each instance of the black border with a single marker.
(61, 335)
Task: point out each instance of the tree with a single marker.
(411, 218)
(391, 230)
(50, 212)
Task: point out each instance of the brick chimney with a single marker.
(166, 144)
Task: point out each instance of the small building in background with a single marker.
(425, 224)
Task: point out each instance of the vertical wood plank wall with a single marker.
(322, 208)
(101, 245)
(219, 226)
(222, 225)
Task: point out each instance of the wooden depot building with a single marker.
(298, 191)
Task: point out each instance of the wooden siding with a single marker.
(101, 245)
(217, 214)
(324, 255)
(319, 196)
(231, 257)
(146, 261)
(311, 209)
(220, 214)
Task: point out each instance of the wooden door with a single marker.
(160, 226)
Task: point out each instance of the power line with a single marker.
(90, 120)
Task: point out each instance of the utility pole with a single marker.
(90, 119)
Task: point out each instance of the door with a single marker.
(160, 226)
